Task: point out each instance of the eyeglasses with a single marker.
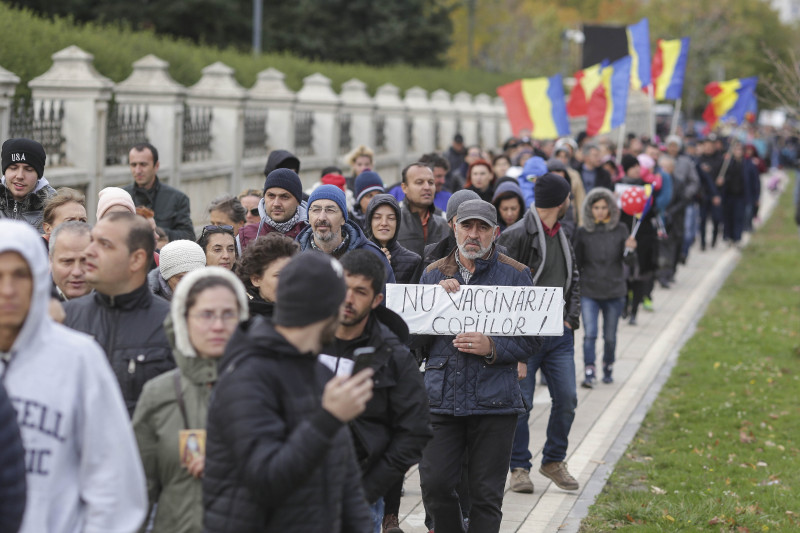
(329, 210)
(254, 212)
(216, 229)
(209, 317)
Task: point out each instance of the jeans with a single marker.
(590, 310)
(486, 439)
(556, 358)
(376, 510)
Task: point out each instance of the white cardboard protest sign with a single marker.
(494, 311)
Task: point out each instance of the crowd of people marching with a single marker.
(251, 378)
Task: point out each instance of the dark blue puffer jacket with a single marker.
(404, 262)
(357, 241)
(465, 384)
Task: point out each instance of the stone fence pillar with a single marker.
(219, 90)
(423, 128)
(271, 92)
(151, 85)
(8, 84)
(446, 118)
(391, 110)
(317, 97)
(467, 117)
(358, 110)
(85, 93)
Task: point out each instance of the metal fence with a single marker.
(196, 133)
(345, 135)
(410, 134)
(380, 134)
(126, 126)
(255, 133)
(41, 121)
(304, 133)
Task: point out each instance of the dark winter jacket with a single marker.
(257, 305)
(409, 230)
(525, 242)
(13, 485)
(275, 460)
(391, 433)
(357, 241)
(171, 208)
(158, 285)
(602, 178)
(31, 208)
(599, 250)
(462, 384)
(405, 263)
(130, 329)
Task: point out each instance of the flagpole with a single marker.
(651, 94)
(675, 114)
(620, 142)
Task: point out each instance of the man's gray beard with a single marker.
(324, 237)
(472, 256)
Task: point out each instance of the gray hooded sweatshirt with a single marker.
(83, 469)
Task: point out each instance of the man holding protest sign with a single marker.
(539, 242)
(469, 376)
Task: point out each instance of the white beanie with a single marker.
(111, 196)
(180, 256)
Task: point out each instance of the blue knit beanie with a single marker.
(285, 179)
(367, 182)
(329, 192)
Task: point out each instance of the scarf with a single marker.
(284, 227)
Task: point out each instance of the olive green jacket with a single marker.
(157, 423)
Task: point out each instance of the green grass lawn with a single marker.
(718, 450)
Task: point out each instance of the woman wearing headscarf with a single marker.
(170, 418)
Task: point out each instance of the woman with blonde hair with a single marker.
(359, 159)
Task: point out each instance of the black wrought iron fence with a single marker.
(304, 133)
(345, 135)
(41, 121)
(255, 133)
(197, 133)
(126, 126)
(380, 134)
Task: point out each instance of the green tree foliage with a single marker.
(27, 44)
(415, 32)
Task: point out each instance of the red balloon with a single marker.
(633, 201)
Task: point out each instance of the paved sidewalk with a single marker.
(607, 416)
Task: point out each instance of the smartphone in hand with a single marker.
(362, 358)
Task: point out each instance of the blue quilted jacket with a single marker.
(463, 384)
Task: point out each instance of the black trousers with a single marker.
(487, 440)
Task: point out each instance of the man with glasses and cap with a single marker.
(281, 209)
(471, 382)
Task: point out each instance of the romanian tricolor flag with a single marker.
(586, 81)
(609, 103)
(536, 104)
(669, 68)
(730, 100)
(639, 50)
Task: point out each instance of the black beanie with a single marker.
(550, 190)
(24, 151)
(285, 179)
(629, 161)
(311, 288)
